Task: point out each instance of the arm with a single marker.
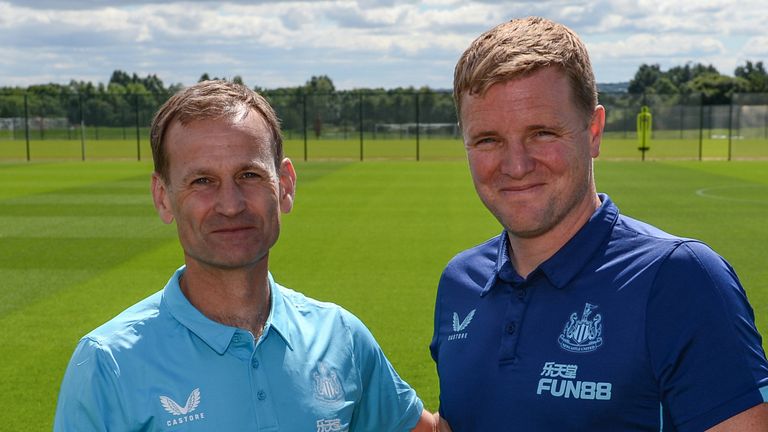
(387, 402)
(754, 419)
(698, 304)
(88, 398)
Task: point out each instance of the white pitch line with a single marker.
(705, 193)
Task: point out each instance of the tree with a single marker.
(664, 85)
(644, 78)
(717, 89)
(755, 74)
(319, 84)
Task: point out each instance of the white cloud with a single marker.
(359, 43)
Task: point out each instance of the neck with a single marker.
(527, 253)
(234, 297)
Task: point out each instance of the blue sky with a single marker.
(362, 43)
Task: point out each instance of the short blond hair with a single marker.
(211, 100)
(519, 48)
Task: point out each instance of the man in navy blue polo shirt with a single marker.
(577, 318)
(223, 347)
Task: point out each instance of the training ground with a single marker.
(80, 241)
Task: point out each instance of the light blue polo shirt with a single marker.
(161, 365)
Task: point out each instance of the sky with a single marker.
(357, 43)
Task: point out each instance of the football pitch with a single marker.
(80, 241)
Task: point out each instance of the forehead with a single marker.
(546, 89)
(218, 140)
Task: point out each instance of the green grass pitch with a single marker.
(79, 242)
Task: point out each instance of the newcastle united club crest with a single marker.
(327, 386)
(583, 334)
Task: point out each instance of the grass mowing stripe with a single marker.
(370, 236)
(37, 340)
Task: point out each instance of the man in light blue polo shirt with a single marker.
(223, 347)
(575, 317)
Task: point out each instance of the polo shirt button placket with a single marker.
(520, 293)
(511, 327)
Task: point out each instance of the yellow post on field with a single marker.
(644, 123)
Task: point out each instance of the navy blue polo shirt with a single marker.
(625, 328)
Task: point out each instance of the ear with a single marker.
(287, 185)
(596, 126)
(161, 199)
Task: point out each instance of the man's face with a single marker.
(530, 152)
(223, 191)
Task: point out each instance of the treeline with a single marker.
(128, 98)
(714, 87)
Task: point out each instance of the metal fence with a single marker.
(367, 125)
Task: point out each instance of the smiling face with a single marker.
(224, 191)
(530, 153)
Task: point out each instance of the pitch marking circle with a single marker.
(757, 194)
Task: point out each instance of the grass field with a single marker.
(79, 242)
(615, 147)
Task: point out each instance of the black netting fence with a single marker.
(364, 125)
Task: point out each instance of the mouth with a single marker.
(521, 188)
(233, 230)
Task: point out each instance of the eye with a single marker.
(250, 175)
(201, 181)
(485, 142)
(544, 133)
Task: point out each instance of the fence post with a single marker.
(360, 114)
(26, 122)
(138, 127)
(730, 127)
(82, 127)
(701, 130)
(418, 128)
(304, 119)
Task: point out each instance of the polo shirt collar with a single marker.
(566, 263)
(217, 335)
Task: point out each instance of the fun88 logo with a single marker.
(560, 381)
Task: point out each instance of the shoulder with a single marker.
(628, 227)
(694, 267)
(319, 314)
(128, 327)
(485, 251)
(476, 263)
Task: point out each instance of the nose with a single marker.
(516, 160)
(230, 199)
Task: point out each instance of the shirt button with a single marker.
(236, 338)
(261, 395)
(511, 327)
(255, 363)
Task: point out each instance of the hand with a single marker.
(442, 425)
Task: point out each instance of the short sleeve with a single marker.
(387, 404)
(704, 347)
(88, 398)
